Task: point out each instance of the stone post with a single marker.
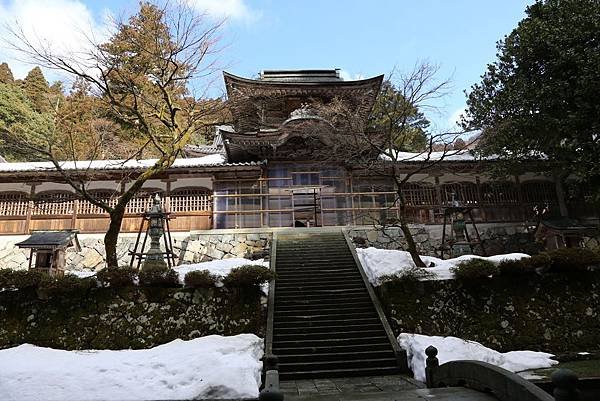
(565, 385)
(431, 364)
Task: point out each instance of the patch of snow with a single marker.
(453, 349)
(450, 155)
(209, 160)
(220, 268)
(583, 353)
(384, 262)
(82, 273)
(213, 367)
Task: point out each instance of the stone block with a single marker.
(225, 247)
(214, 253)
(253, 237)
(239, 250)
(240, 237)
(372, 235)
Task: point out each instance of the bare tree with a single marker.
(376, 146)
(144, 75)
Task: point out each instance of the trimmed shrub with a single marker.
(407, 275)
(66, 284)
(572, 259)
(475, 268)
(20, 279)
(155, 276)
(248, 276)
(522, 266)
(200, 279)
(117, 277)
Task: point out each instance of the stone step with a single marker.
(324, 295)
(319, 335)
(333, 309)
(342, 363)
(332, 328)
(336, 356)
(296, 343)
(316, 304)
(290, 323)
(317, 374)
(285, 283)
(372, 346)
(322, 308)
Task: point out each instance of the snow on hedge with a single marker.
(383, 262)
(218, 267)
(453, 349)
(212, 367)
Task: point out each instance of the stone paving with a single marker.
(346, 385)
(380, 388)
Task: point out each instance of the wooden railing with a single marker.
(21, 216)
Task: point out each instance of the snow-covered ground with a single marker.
(452, 349)
(383, 262)
(207, 367)
(218, 267)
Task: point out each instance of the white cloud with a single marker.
(233, 9)
(454, 119)
(63, 25)
(347, 76)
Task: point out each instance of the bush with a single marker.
(524, 265)
(407, 275)
(20, 279)
(65, 284)
(200, 279)
(117, 277)
(248, 276)
(572, 259)
(475, 268)
(156, 276)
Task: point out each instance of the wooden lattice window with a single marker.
(499, 193)
(105, 195)
(13, 204)
(191, 199)
(419, 194)
(539, 192)
(52, 203)
(464, 192)
(143, 200)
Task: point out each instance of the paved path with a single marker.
(375, 388)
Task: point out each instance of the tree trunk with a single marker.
(410, 241)
(111, 237)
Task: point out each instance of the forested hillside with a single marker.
(78, 118)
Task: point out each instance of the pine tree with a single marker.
(6, 75)
(37, 90)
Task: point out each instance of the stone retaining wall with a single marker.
(496, 238)
(106, 318)
(188, 248)
(555, 313)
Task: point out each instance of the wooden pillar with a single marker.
(30, 206)
(560, 195)
(521, 208)
(74, 215)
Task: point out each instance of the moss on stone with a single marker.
(553, 312)
(117, 318)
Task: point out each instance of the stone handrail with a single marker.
(271, 390)
(505, 385)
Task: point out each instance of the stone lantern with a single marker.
(157, 221)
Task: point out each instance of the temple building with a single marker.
(260, 173)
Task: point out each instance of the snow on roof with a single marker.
(452, 155)
(210, 160)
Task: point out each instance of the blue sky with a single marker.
(363, 38)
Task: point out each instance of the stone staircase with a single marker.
(325, 324)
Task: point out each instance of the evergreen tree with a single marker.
(6, 75)
(540, 100)
(394, 114)
(37, 90)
